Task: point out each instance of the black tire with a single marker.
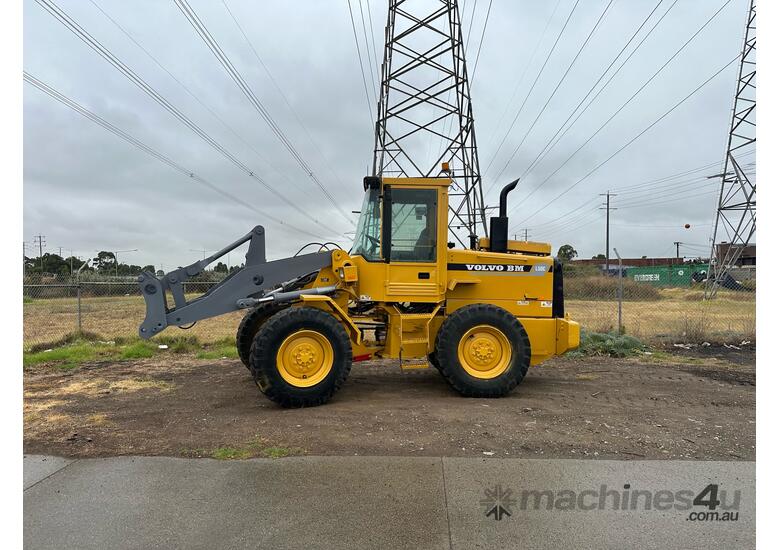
(249, 326)
(270, 337)
(434, 360)
(457, 325)
(433, 357)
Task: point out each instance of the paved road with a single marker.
(383, 502)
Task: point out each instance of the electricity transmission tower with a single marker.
(424, 114)
(735, 219)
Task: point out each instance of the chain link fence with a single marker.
(663, 304)
(659, 305)
(104, 310)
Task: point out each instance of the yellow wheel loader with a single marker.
(481, 316)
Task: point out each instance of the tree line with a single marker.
(104, 263)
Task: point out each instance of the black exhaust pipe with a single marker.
(499, 225)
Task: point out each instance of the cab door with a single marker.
(413, 247)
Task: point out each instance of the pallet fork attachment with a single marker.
(240, 289)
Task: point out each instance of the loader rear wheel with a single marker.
(483, 351)
(249, 326)
(300, 357)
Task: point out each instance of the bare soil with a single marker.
(676, 407)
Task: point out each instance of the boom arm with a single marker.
(240, 289)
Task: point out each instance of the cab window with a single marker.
(367, 234)
(413, 225)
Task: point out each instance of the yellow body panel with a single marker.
(520, 246)
(520, 281)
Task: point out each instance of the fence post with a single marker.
(620, 292)
(78, 305)
(78, 295)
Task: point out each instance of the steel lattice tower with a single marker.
(735, 220)
(424, 114)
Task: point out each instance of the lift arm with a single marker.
(243, 288)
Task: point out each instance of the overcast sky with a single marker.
(86, 189)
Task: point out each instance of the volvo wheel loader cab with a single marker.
(481, 316)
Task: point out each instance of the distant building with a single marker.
(633, 262)
(746, 258)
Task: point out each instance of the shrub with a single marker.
(614, 345)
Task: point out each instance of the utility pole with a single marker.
(525, 232)
(41, 241)
(607, 208)
(24, 259)
(116, 258)
(677, 244)
(199, 250)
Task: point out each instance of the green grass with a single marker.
(254, 448)
(138, 350)
(231, 453)
(74, 350)
(278, 452)
(179, 344)
(70, 355)
(611, 344)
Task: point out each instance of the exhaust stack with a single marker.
(499, 225)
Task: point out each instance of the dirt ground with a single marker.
(693, 405)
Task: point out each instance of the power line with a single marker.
(632, 140)
(521, 79)
(448, 123)
(100, 121)
(281, 93)
(481, 39)
(360, 61)
(578, 227)
(239, 80)
(565, 217)
(471, 24)
(630, 99)
(192, 94)
(548, 146)
(588, 214)
(647, 204)
(533, 85)
(555, 90)
(551, 146)
(373, 38)
(375, 68)
(653, 182)
(131, 75)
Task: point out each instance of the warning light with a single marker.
(445, 166)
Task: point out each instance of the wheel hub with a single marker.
(484, 352)
(304, 358)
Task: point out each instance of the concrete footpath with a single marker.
(386, 502)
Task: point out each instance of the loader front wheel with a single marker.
(249, 326)
(483, 351)
(300, 357)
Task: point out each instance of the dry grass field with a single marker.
(47, 321)
(679, 315)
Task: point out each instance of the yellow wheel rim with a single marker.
(305, 358)
(484, 352)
